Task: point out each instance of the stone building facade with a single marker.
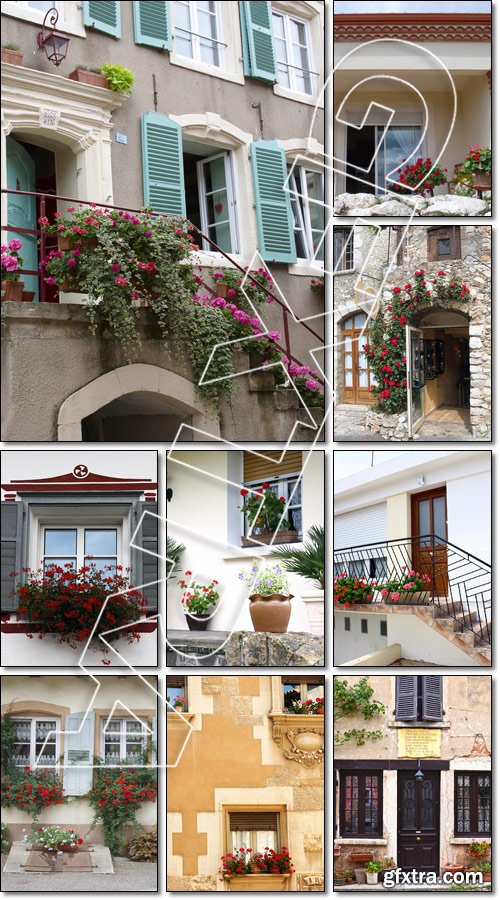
(235, 752)
(371, 261)
(435, 726)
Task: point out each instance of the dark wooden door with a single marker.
(418, 821)
(430, 533)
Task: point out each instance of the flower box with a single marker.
(361, 856)
(28, 296)
(13, 57)
(12, 291)
(96, 79)
(262, 882)
(282, 537)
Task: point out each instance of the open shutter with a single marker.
(147, 538)
(154, 736)
(162, 166)
(78, 752)
(11, 552)
(152, 24)
(103, 16)
(406, 697)
(432, 698)
(257, 39)
(272, 202)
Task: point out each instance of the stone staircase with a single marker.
(471, 642)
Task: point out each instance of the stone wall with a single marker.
(245, 648)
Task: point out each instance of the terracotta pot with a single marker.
(65, 286)
(271, 613)
(361, 856)
(64, 243)
(221, 289)
(254, 870)
(94, 78)
(487, 877)
(320, 711)
(13, 291)
(197, 622)
(482, 180)
(28, 296)
(453, 869)
(14, 57)
(309, 741)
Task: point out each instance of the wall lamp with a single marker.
(170, 494)
(419, 775)
(53, 42)
(421, 479)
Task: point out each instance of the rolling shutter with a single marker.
(406, 698)
(162, 165)
(257, 40)
(432, 698)
(78, 753)
(361, 526)
(255, 468)
(303, 679)
(11, 552)
(103, 16)
(253, 821)
(272, 202)
(152, 24)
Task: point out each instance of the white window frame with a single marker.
(231, 199)
(228, 32)
(71, 518)
(289, 43)
(284, 483)
(312, 14)
(299, 192)
(194, 33)
(70, 15)
(124, 721)
(80, 542)
(33, 721)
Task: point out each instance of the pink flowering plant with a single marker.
(318, 284)
(409, 581)
(420, 177)
(12, 263)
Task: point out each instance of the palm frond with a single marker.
(174, 553)
(308, 561)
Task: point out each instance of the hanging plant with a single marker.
(32, 791)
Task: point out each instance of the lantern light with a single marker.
(53, 42)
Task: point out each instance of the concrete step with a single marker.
(466, 618)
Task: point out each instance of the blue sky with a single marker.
(392, 6)
(345, 462)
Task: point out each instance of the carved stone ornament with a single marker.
(303, 744)
(310, 882)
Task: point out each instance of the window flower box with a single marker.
(83, 76)
(261, 882)
(266, 537)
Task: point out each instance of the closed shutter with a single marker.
(432, 698)
(257, 469)
(406, 697)
(78, 753)
(11, 552)
(253, 821)
(257, 40)
(147, 557)
(103, 16)
(152, 24)
(361, 526)
(272, 202)
(162, 165)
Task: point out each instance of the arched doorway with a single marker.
(138, 416)
(357, 377)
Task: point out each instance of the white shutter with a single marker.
(361, 526)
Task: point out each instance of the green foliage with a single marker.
(174, 553)
(5, 838)
(120, 79)
(308, 562)
(116, 795)
(478, 159)
(373, 866)
(8, 739)
(31, 791)
(144, 847)
(354, 700)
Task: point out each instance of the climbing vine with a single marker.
(355, 700)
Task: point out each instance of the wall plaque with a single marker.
(419, 743)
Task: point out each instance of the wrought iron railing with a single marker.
(44, 243)
(459, 585)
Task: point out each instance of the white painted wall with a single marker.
(351, 644)
(421, 643)
(469, 513)
(47, 652)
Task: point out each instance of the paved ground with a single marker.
(129, 876)
(411, 662)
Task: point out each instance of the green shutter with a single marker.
(272, 202)
(257, 39)
(152, 24)
(162, 166)
(78, 753)
(103, 16)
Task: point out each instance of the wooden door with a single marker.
(21, 210)
(430, 533)
(418, 820)
(357, 375)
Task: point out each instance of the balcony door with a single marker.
(21, 209)
(430, 533)
(391, 148)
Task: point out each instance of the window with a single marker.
(80, 546)
(358, 378)
(343, 246)
(124, 740)
(419, 698)
(307, 196)
(291, 47)
(211, 195)
(364, 626)
(197, 31)
(283, 486)
(258, 830)
(177, 687)
(444, 243)
(42, 5)
(301, 687)
(383, 629)
(347, 624)
(30, 738)
(360, 804)
(472, 803)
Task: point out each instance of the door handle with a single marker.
(418, 839)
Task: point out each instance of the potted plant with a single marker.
(198, 601)
(53, 838)
(308, 708)
(386, 865)
(233, 285)
(84, 75)
(412, 587)
(478, 849)
(270, 606)
(349, 876)
(372, 870)
(264, 510)
(339, 877)
(12, 54)
(450, 867)
(349, 590)
(477, 164)
(359, 874)
(119, 79)
(179, 703)
(12, 286)
(485, 868)
(318, 285)
(308, 561)
(418, 174)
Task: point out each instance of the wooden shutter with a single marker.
(450, 232)
(253, 821)
(78, 753)
(257, 469)
(147, 539)
(257, 40)
(406, 697)
(177, 681)
(162, 165)
(152, 24)
(432, 698)
(103, 16)
(11, 552)
(272, 202)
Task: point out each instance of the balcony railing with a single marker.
(459, 586)
(45, 241)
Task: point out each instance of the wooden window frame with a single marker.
(347, 254)
(279, 809)
(434, 234)
(361, 775)
(352, 393)
(474, 801)
(179, 681)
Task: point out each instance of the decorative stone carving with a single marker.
(310, 882)
(313, 843)
(298, 740)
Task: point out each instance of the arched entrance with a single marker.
(138, 402)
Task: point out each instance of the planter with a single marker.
(66, 286)
(320, 711)
(198, 622)
(409, 597)
(371, 877)
(179, 707)
(28, 296)
(13, 57)
(12, 291)
(336, 852)
(361, 856)
(221, 289)
(271, 613)
(478, 854)
(360, 876)
(94, 78)
(259, 882)
(453, 869)
(339, 880)
(65, 243)
(482, 180)
(282, 537)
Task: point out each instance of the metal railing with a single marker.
(43, 245)
(459, 585)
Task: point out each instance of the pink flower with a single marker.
(115, 267)
(384, 592)
(395, 596)
(50, 280)
(71, 263)
(14, 244)
(121, 281)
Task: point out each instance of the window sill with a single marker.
(293, 719)
(174, 716)
(396, 724)
(185, 62)
(366, 841)
(465, 841)
(288, 94)
(306, 268)
(31, 628)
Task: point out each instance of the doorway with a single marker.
(138, 416)
(356, 373)
(429, 531)
(393, 145)
(418, 821)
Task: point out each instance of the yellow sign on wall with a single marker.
(419, 743)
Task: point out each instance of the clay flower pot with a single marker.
(453, 869)
(482, 179)
(361, 856)
(64, 243)
(94, 78)
(14, 57)
(270, 613)
(28, 296)
(13, 290)
(198, 622)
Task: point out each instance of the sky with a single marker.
(118, 463)
(437, 6)
(345, 462)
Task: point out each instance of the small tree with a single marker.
(352, 700)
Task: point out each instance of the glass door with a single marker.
(415, 378)
(398, 145)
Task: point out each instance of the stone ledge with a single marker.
(265, 649)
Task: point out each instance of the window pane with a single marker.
(278, 26)
(183, 45)
(371, 804)
(60, 543)
(106, 565)
(348, 340)
(63, 562)
(444, 247)
(291, 692)
(181, 15)
(363, 378)
(100, 543)
(44, 5)
(409, 804)
(424, 517)
(348, 379)
(484, 804)
(359, 320)
(351, 800)
(439, 517)
(348, 361)
(297, 31)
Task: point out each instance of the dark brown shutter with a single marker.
(406, 697)
(432, 698)
(255, 468)
(303, 679)
(434, 234)
(176, 681)
(253, 821)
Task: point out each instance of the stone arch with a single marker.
(134, 378)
